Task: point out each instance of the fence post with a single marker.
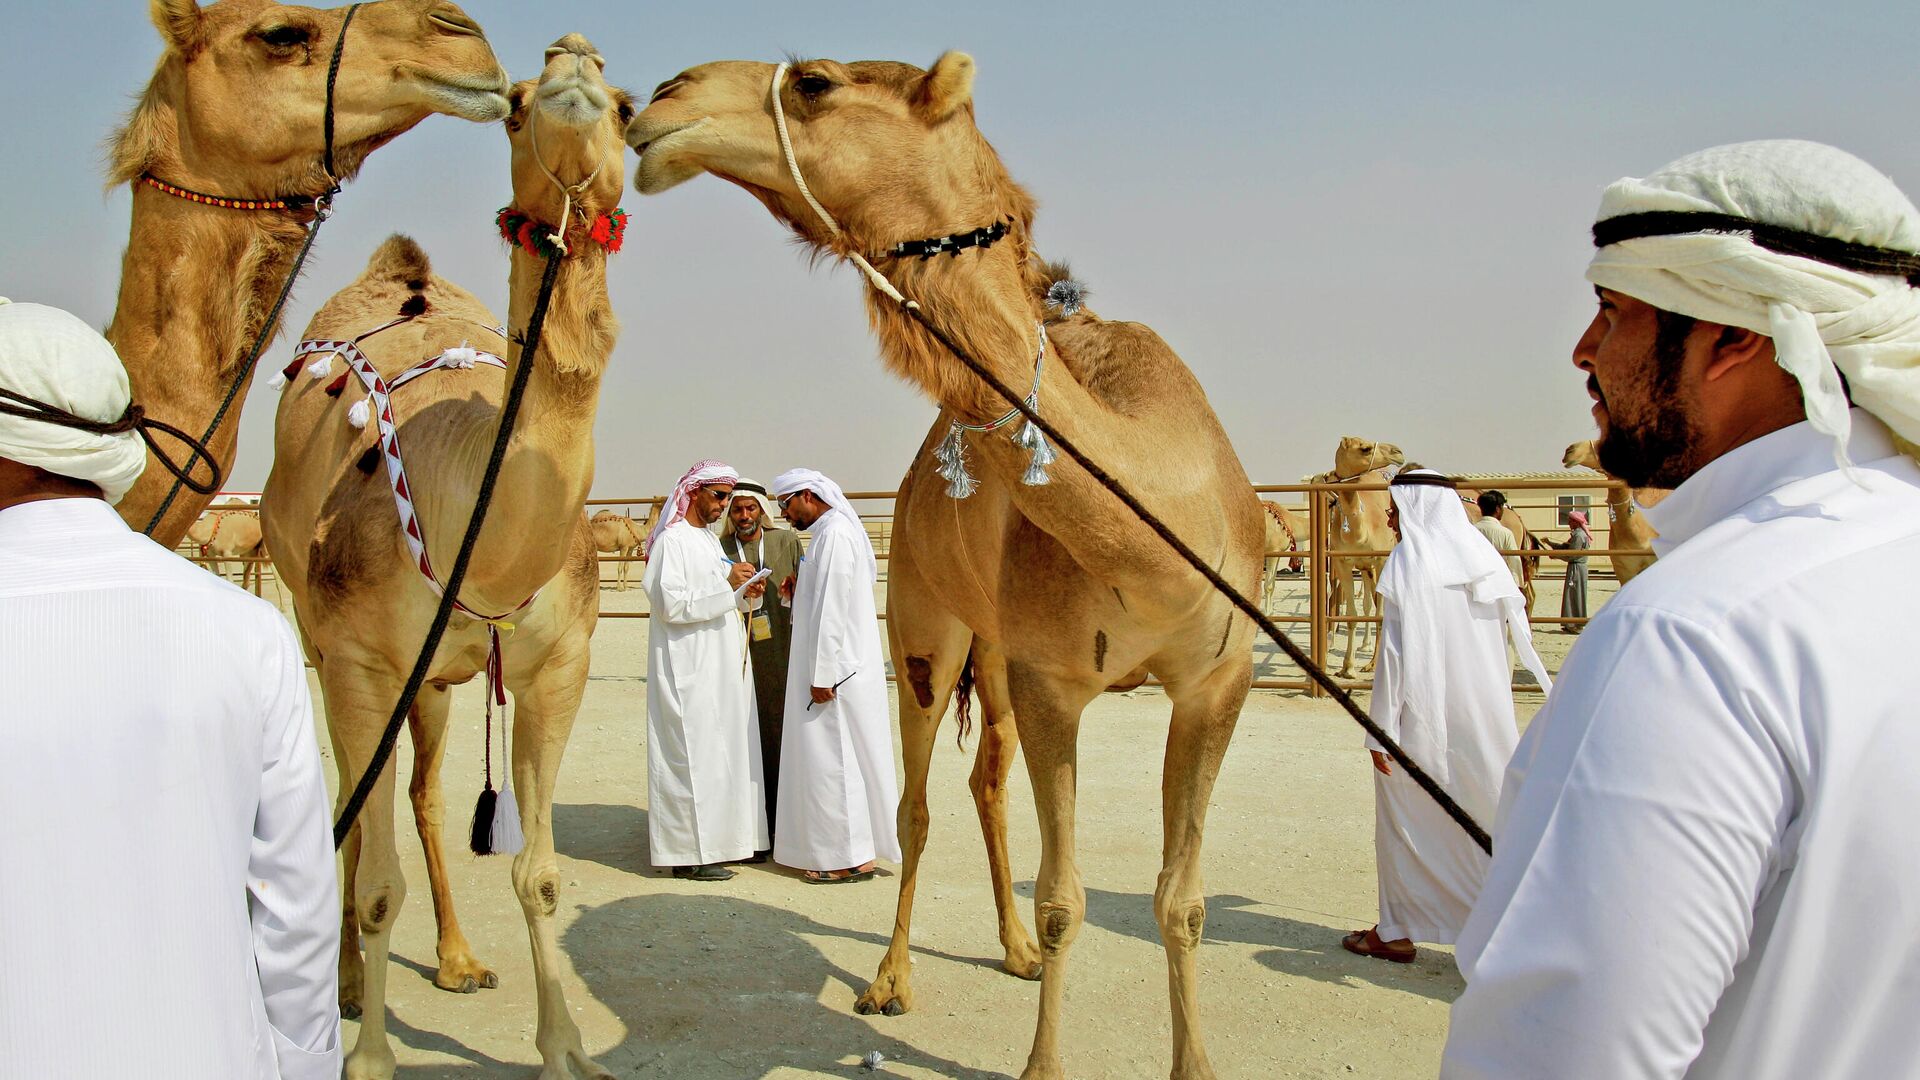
(1316, 583)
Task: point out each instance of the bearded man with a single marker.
(1698, 868)
(749, 537)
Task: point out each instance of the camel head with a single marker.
(566, 129)
(890, 150)
(1356, 455)
(1581, 454)
(237, 105)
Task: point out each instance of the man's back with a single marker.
(1711, 798)
(1502, 540)
(169, 890)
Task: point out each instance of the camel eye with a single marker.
(812, 85)
(285, 37)
(626, 112)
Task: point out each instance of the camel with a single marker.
(198, 279)
(363, 606)
(231, 532)
(1628, 527)
(1033, 591)
(618, 534)
(1283, 536)
(1356, 521)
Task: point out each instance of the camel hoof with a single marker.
(467, 985)
(894, 1008)
(490, 981)
(349, 1010)
(865, 1007)
(1031, 972)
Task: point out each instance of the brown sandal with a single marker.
(1367, 943)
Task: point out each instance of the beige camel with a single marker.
(1628, 527)
(1284, 529)
(197, 280)
(364, 608)
(618, 534)
(1054, 590)
(1356, 522)
(231, 532)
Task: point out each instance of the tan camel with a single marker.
(1284, 529)
(231, 532)
(197, 280)
(618, 534)
(1356, 521)
(1628, 527)
(1052, 599)
(364, 608)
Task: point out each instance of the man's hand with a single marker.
(739, 574)
(1382, 762)
(822, 694)
(756, 590)
(786, 588)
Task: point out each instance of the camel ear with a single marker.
(178, 22)
(946, 89)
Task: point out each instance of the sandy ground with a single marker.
(756, 977)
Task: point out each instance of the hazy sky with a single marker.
(1347, 218)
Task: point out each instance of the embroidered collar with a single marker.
(535, 237)
(293, 203)
(983, 237)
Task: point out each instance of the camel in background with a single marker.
(1284, 528)
(198, 278)
(359, 593)
(618, 534)
(1628, 527)
(231, 531)
(1047, 592)
(1356, 522)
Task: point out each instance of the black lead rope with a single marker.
(529, 347)
(134, 419)
(1294, 652)
(322, 209)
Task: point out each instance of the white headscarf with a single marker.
(828, 492)
(49, 355)
(675, 509)
(750, 489)
(1820, 316)
(1439, 549)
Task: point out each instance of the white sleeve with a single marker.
(1644, 817)
(293, 893)
(690, 592)
(837, 570)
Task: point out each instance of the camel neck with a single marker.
(196, 284)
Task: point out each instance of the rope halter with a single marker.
(567, 194)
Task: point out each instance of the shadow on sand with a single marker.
(1289, 946)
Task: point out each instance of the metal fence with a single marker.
(1313, 549)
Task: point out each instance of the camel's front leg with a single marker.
(934, 647)
(992, 762)
(358, 700)
(460, 971)
(1050, 721)
(545, 704)
(1203, 720)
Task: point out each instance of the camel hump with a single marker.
(605, 515)
(400, 258)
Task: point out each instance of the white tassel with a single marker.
(460, 356)
(278, 381)
(357, 416)
(507, 837)
(321, 367)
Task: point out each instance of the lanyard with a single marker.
(759, 559)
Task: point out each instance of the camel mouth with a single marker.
(655, 143)
(478, 98)
(573, 101)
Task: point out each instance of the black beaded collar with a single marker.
(983, 237)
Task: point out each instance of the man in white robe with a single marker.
(1442, 691)
(168, 903)
(704, 803)
(1700, 867)
(838, 795)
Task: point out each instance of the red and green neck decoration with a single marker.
(536, 237)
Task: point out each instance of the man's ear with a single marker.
(1735, 347)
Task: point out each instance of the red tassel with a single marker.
(337, 386)
(294, 368)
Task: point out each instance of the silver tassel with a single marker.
(1036, 474)
(952, 456)
(960, 486)
(1043, 454)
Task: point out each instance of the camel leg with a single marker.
(992, 762)
(459, 971)
(351, 968)
(1370, 605)
(1203, 720)
(544, 711)
(357, 701)
(1343, 605)
(1049, 712)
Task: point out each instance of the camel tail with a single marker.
(963, 700)
(400, 258)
